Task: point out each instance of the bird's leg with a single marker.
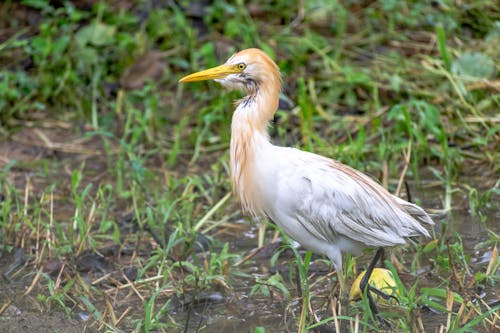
(364, 282)
(367, 289)
(341, 301)
(369, 270)
(262, 231)
(363, 285)
(341, 279)
(343, 293)
(336, 257)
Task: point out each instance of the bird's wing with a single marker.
(336, 200)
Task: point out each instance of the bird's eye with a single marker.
(241, 66)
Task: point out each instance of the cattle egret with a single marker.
(326, 206)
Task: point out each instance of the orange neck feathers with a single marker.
(249, 135)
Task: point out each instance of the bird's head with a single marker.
(246, 70)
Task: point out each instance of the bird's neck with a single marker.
(249, 137)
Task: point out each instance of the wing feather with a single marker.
(336, 200)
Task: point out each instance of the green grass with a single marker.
(88, 165)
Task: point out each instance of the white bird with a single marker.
(326, 206)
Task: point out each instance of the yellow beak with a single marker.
(218, 72)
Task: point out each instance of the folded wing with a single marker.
(336, 200)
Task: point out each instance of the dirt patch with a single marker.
(29, 321)
(21, 311)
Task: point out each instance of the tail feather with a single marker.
(417, 213)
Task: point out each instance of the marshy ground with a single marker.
(115, 206)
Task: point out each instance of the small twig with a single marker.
(132, 286)
(215, 225)
(419, 322)
(58, 279)
(248, 256)
(407, 155)
(211, 212)
(385, 174)
(454, 269)
(5, 306)
(493, 261)
(494, 314)
(334, 314)
(89, 229)
(494, 84)
(111, 311)
(104, 277)
(449, 308)
(316, 319)
(127, 285)
(322, 278)
(127, 310)
(51, 224)
(467, 316)
(45, 139)
(303, 314)
(34, 282)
